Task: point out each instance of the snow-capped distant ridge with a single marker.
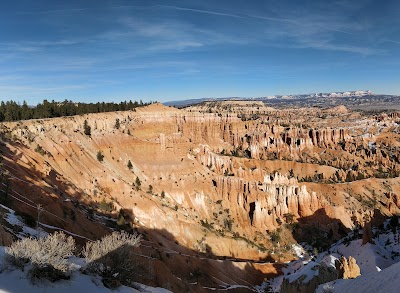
(312, 96)
(343, 94)
(347, 94)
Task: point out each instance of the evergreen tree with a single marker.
(100, 156)
(137, 183)
(25, 111)
(117, 124)
(11, 111)
(86, 128)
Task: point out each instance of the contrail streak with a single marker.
(209, 12)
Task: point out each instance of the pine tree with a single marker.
(138, 183)
(86, 128)
(100, 156)
(117, 124)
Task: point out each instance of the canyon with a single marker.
(221, 191)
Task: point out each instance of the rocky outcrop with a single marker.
(347, 269)
(286, 134)
(260, 199)
(367, 233)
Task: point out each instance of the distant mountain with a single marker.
(189, 102)
(184, 103)
(323, 95)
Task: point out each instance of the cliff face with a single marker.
(258, 198)
(358, 148)
(5, 237)
(223, 183)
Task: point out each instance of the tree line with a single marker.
(13, 111)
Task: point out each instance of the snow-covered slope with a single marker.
(380, 260)
(387, 280)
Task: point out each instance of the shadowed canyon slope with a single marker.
(223, 180)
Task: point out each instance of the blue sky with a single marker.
(170, 50)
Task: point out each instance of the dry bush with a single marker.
(112, 258)
(51, 251)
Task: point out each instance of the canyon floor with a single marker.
(222, 192)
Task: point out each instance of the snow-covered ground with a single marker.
(16, 221)
(13, 280)
(379, 261)
(387, 281)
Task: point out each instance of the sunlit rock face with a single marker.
(221, 180)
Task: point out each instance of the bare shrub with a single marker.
(48, 273)
(51, 251)
(112, 258)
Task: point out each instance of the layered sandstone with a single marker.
(222, 183)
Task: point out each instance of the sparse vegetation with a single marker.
(87, 130)
(117, 124)
(138, 183)
(48, 255)
(289, 218)
(106, 206)
(112, 258)
(40, 150)
(100, 156)
(228, 224)
(275, 236)
(207, 225)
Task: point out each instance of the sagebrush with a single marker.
(48, 254)
(112, 258)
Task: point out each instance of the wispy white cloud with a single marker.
(178, 45)
(306, 30)
(391, 41)
(34, 46)
(17, 91)
(55, 11)
(293, 21)
(173, 35)
(331, 46)
(210, 12)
